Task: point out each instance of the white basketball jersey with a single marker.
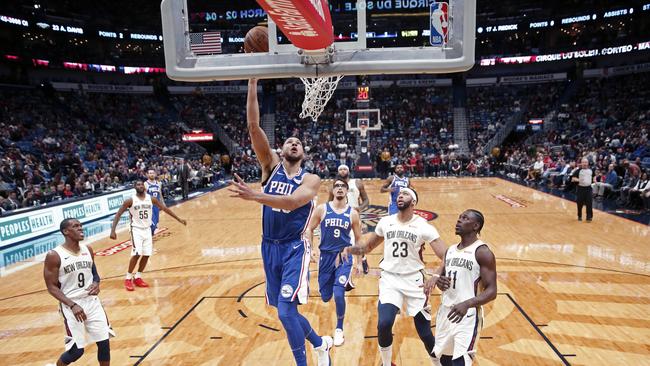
(404, 242)
(75, 272)
(465, 273)
(141, 212)
(353, 193)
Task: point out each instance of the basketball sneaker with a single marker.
(140, 282)
(323, 352)
(128, 285)
(339, 339)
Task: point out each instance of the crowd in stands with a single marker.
(60, 145)
(608, 123)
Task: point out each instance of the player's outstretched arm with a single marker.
(486, 260)
(125, 206)
(267, 158)
(51, 276)
(386, 187)
(365, 201)
(300, 197)
(167, 210)
(371, 242)
(439, 247)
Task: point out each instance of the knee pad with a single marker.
(103, 350)
(72, 355)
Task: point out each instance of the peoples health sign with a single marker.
(20, 227)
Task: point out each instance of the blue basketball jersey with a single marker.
(153, 188)
(335, 229)
(284, 225)
(397, 182)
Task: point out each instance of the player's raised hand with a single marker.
(241, 189)
(93, 289)
(78, 313)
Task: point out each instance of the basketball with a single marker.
(257, 40)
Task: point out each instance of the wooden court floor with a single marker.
(570, 293)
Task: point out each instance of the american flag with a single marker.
(205, 43)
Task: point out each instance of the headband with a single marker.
(411, 193)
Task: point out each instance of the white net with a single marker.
(318, 92)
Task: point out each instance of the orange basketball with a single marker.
(257, 40)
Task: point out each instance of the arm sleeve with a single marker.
(95, 274)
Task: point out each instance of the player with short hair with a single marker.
(140, 207)
(460, 316)
(402, 281)
(357, 199)
(393, 184)
(287, 199)
(337, 221)
(357, 195)
(71, 277)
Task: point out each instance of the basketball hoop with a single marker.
(318, 92)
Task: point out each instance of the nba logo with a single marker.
(439, 17)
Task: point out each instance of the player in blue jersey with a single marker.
(287, 200)
(154, 189)
(393, 184)
(337, 219)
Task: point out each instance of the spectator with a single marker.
(611, 180)
(67, 191)
(12, 203)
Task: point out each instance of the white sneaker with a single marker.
(338, 337)
(323, 352)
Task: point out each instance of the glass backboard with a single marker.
(370, 37)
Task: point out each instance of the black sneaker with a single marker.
(588, 220)
(364, 263)
(579, 218)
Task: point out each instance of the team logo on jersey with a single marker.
(286, 291)
(343, 279)
(373, 213)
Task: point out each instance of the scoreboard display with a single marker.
(363, 93)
